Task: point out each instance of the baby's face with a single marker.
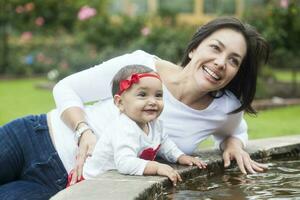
(143, 101)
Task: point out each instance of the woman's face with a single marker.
(217, 59)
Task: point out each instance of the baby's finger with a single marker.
(178, 177)
(199, 163)
(173, 177)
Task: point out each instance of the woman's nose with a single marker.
(220, 62)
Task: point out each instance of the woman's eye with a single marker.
(215, 47)
(234, 61)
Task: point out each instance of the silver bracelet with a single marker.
(78, 123)
(80, 131)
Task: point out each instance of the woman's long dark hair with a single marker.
(243, 85)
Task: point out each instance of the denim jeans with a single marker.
(30, 166)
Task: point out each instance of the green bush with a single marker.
(103, 31)
(43, 54)
(280, 25)
(166, 42)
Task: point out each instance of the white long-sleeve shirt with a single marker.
(125, 146)
(186, 126)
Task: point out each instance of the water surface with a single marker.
(281, 181)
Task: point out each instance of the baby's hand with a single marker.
(172, 174)
(189, 160)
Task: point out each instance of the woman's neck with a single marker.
(183, 89)
(185, 92)
(179, 83)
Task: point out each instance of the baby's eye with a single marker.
(159, 94)
(141, 94)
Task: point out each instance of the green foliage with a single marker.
(41, 55)
(62, 41)
(25, 24)
(103, 31)
(166, 42)
(281, 27)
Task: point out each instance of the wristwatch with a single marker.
(81, 130)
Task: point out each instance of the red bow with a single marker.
(135, 78)
(125, 84)
(149, 153)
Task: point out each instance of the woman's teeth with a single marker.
(211, 73)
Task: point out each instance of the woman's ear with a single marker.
(191, 54)
(118, 102)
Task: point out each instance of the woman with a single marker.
(205, 96)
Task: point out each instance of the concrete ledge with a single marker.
(113, 185)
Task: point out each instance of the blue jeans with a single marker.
(30, 166)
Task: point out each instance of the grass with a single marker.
(270, 123)
(285, 75)
(275, 122)
(20, 97)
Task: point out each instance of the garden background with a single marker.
(44, 41)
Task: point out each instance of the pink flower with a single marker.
(19, 9)
(26, 36)
(86, 12)
(64, 65)
(39, 21)
(29, 6)
(40, 57)
(284, 3)
(145, 31)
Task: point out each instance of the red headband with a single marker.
(126, 84)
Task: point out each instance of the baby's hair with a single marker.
(125, 72)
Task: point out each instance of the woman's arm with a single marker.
(232, 138)
(70, 95)
(94, 84)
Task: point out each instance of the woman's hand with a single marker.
(233, 150)
(189, 160)
(86, 147)
(166, 170)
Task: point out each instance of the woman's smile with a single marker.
(214, 75)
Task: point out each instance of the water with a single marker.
(281, 181)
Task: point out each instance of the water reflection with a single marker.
(281, 181)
